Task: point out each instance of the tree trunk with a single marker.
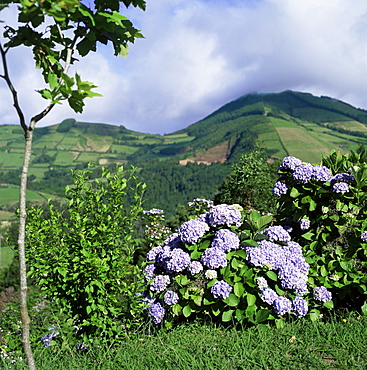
(21, 247)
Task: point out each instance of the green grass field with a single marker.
(6, 256)
(9, 195)
(336, 343)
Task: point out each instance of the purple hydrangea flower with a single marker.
(299, 307)
(303, 173)
(172, 241)
(341, 177)
(160, 283)
(173, 260)
(321, 173)
(225, 240)
(364, 236)
(288, 228)
(152, 254)
(170, 298)
(322, 294)
(148, 299)
(305, 224)
(214, 258)
(276, 233)
(282, 305)
(268, 295)
(221, 289)
(156, 312)
(340, 187)
(195, 267)
(224, 214)
(46, 339)
(280, 188)
(149, 272)
(191, 231)
(267, 253)
(290, 163)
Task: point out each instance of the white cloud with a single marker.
(199, 55)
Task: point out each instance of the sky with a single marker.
(198, 55)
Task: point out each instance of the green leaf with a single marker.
(329, 304)
(262, 315)
(364, 308)
(251, 299)
(241, 253)
(187, 311)
(232, 300)
(272, 275)
(238, 289)
(227, 315)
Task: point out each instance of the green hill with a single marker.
(288, 123)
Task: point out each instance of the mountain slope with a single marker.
(288, 123)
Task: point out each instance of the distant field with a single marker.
(9, 195)
(6, 256)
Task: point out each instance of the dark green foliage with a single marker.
(332, 245)
(82, 258)
(169, 184)
(250, 183)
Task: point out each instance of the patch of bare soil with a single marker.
(218, 153)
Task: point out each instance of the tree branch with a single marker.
(14, 93)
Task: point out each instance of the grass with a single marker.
(336, 343)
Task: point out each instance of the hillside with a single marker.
(288, 123)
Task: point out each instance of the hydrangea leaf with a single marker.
(262, 315)
(187, 311)
(329, 304)
(364, 308)
(238, 289)
(227, 315)
(251, 299)
(272, 275)
(232, 300)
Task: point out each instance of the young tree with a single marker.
(58, 31)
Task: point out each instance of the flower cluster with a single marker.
(287, 261)
(321, 294)
(156, 312)
(290, 163)
(280, 188)
(53, 333)
(341, 187)
(195, 267)
(277, 233)
(224, 214)
(191, 231)
(304, 224)
(159, 283)
(303, 173)
(364, 236)
(221, 289)
(214, 258)
(321, 173)
(170, 298)
(225, 240)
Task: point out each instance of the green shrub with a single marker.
(81, 258)
(326, 206)
(250, 183)
(230, 264)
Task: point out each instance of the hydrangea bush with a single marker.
(325, 206)
(231, 264)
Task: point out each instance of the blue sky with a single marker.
(200, 54)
